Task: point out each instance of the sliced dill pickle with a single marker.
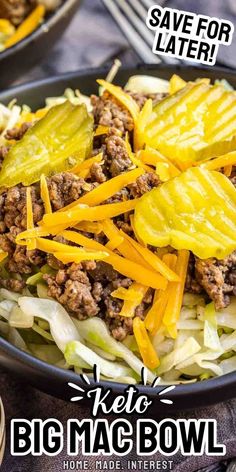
(197, 122)
(65, 132)
(195, 210)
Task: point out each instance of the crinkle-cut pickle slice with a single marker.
(195, 210)
(197, 122)
(66, 131)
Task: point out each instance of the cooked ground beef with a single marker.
(3, 152)
(191, 284)
(218, 278)
(233, 176)
(108, 112)
(141, 98)
(97, 174)
(86, 289)
(120, 327)
(144, 184)
(15, 10)
(64, 188)
(71, 287)
(12, 284)
(18, 133)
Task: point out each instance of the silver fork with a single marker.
(130, 15)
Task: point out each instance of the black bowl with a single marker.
(54, 380)
(28, 52)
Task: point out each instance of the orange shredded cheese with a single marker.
(146, 349)
(125, 266)
(130, 302)
(153, 157)
(222, 161)
(80, 255)
(39, 231)
(45, 194)
(87, 164)
(27, 26)
(3, 255)
(155, 314)
(29, 209)
(85, 213)
(137, 272)
(126, 294)
(228, 170)
(115, 242)
(141, 123)
(101, 130)
(125, 248)
(152, 259)
(175, 299)
(126, 100)
(67, 253)
(89, 227)
(131, 218)
(110, 188)
(135, 160)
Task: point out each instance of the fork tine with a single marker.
(139, 8)
(138, 24)
(150, 3)
(137, 42)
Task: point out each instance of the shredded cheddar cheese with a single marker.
(125, 248)
(126, 100)
(134, 297)
(29, 209)
(27, 26)
(155, 314)
(175, 299)
(115, 242)
(125, 294)
(123, 265)
(3, 255)
(45, 194)
(89, 227)
(154, 158)
(110, 188)
(228, 170)
(83, 212)
(87, 164)
(146, 349)
(222, 161)
(101, 130)
(152, 259)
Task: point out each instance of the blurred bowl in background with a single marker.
(27, 53)
(2, 432)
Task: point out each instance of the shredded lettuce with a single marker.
(227, 316)
(19, 319)
(211, 337)
(62, 327)
(75, 97)
(182, 353)
(147, 84)
(76, 350)
(47, 353)
(205, 345)
(95, 331)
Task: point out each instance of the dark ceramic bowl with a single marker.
(30, 51)
(54, 380)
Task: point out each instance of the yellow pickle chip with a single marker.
(195, 210)
(196, 122)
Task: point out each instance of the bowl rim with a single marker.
(2, 423)
(62, 10)
(208, 387)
